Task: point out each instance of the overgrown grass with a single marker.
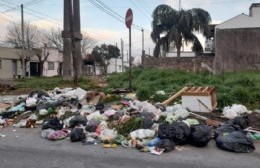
(48, 83)
(239, 87)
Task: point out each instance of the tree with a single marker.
(54, 39)
(177, 27)
(104, 53)
(14, 35)
(42, 56)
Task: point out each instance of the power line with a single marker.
(144, 6)
(138, 8)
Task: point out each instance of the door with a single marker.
(14, 67)
(34, 69)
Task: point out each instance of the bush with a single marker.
(143, 94)
(241, 94)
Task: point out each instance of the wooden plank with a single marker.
(179, 93)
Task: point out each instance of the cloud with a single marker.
(44, 24)
(188, 4)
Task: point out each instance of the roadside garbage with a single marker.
(142, 134)
(156, 128)
(236, 141)
(241, 122)
(20, 107)
(52, 124)
(178, 132)
(58, 135)
(77, 134)
(233, 111)
(77, 121)
(227, 128)
(108, 135)
(200, 135)
(165, 144)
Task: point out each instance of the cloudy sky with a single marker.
(47, 14)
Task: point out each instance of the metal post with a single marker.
(122, 54)
(130, 61)
(142, 57)
(23, 59)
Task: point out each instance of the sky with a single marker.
(48, 14)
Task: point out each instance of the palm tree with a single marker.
(177, 27)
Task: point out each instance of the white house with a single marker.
(10, 63)
(116, 65)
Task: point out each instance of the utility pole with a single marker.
(122, 54)
(179, 5)
(116, 62)
(66, 66)
(73, 45)
(23, 59)
(143, 52)
(78, 38)
(130, 60)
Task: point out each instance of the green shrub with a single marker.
(143, 94)
(241, 94)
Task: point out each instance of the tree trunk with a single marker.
(41, 68)
(178, 51)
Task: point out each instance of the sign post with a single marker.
(128, 23)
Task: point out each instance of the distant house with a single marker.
(10, 63)
(116, 65)
(93, 66)
(237, 42)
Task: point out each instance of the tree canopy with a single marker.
(177, 27)
(104, 53)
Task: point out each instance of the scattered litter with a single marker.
(82, 116)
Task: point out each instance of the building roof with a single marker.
(243, 20)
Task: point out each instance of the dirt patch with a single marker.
(6, 87)
(254, 120)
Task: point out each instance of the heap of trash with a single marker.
(82, 116)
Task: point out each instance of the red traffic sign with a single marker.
(129, 18)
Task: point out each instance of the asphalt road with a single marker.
(24, 148)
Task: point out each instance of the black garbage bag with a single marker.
(200, 135)
(227, 128)
(77, 121)
(148, 120)
(77, 134)
(92, 125)
(163, 131)
(99, 106)
(242, 122)
(39, 93)
(165, 144)
(236, 141)
(178, 132)
(53, 123)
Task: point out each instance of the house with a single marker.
(92, 65)
(237, 42)
(10, 63)
(116, 65)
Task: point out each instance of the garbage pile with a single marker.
(81, 116)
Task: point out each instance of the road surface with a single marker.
(24, 148)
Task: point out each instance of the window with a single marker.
(120, 66)
(0, 63)
(50, 65)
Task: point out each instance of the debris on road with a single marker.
(82, 116)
